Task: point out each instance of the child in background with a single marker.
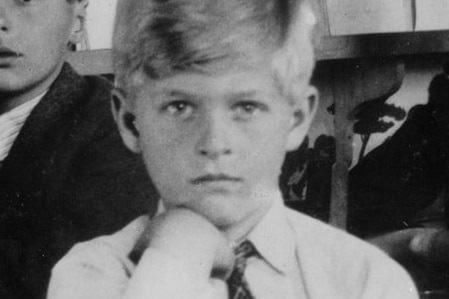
(65, 175)
(213, 94)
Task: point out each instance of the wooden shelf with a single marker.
(328, 48)
(382, 45)
(92, 62)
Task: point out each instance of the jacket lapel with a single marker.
(29, 163)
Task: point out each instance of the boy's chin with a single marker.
(231, 213)
(223, 209)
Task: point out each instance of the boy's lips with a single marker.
(214, 178)
(8, 54)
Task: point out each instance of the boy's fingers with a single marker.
(224, 260)
(190, 237)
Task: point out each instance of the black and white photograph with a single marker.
(224, 149)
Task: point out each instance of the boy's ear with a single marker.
(125, 119)
(79, 15)
(305, 106)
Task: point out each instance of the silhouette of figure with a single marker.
(305, 180)
(401, 185)
(439, 95)
(407, 172)
(370, 119)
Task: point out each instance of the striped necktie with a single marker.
(237, 286)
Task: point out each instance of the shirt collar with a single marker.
(26, 106)
(273, 237)
(11, 123)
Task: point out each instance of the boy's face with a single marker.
(33, 40)
(215, 144)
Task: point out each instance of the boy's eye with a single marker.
(249, 107)
(178, 108)
(25, 2)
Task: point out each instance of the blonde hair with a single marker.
(159, 38)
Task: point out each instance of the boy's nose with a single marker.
(215, 138)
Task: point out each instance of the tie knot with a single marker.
(242, 252)
(245, 250)
(237, 285)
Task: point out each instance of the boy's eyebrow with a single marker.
(177, 93)
(243, 94)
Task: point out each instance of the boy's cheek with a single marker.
(15, 78)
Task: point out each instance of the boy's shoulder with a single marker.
(74, 90)
(319, 233)
(77, 106)
(346, 262)
(337, 245)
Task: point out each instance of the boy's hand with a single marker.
(182, 251)
(192, 239)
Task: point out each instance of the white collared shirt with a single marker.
(12, 122)
(276, 274)
(300, 258)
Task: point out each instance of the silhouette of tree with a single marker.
(369, 119)
(305, 179)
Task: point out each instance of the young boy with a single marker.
(65, 175)
(213, 93)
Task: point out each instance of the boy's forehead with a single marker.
(235, 83)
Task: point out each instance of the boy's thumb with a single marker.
(224, 261)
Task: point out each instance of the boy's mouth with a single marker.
(214, 178)
(8, 53)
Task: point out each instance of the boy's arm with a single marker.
(177, 263)
(385, 278)
(391, 283)
(423, 244)
(97, 269)
(183, 250)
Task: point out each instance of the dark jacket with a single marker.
(67, 178)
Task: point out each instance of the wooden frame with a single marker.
(327, 48)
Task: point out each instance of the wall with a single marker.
(377, 16)
(99, 22)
